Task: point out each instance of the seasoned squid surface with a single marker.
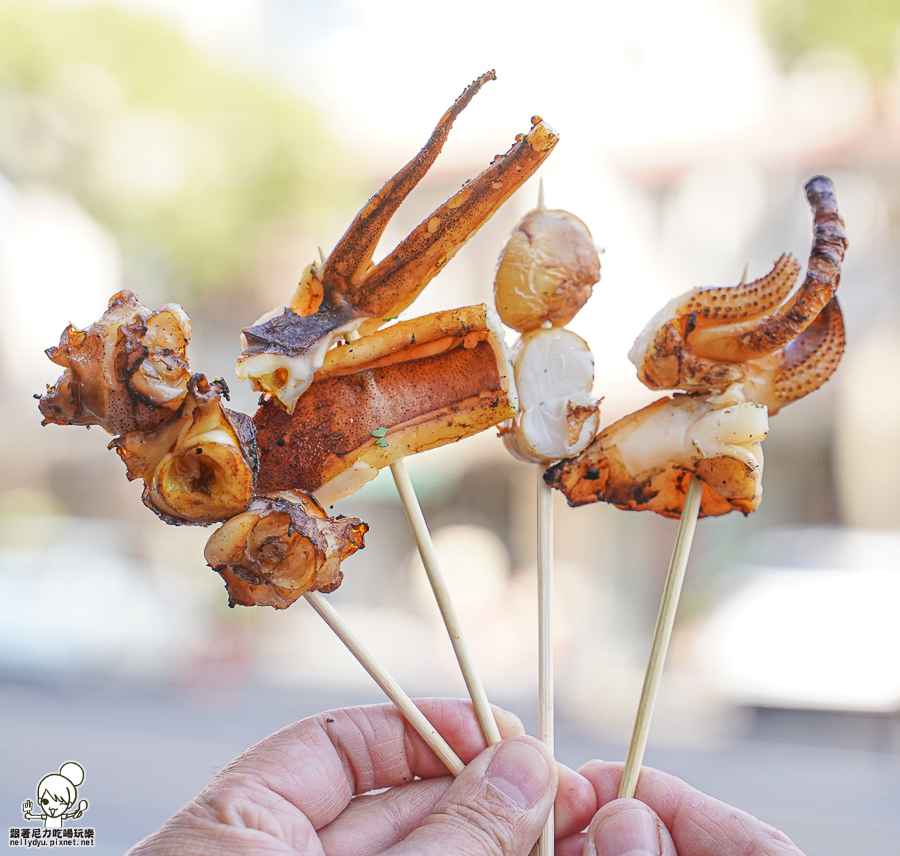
(712, 338)
(333, 421)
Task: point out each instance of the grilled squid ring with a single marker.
(200, 467)
(281, 547)
(126, 372)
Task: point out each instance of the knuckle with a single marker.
(483, 825)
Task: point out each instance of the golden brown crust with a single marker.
(460, 390)
(546, 271)
(282, 547)
(716, 439)
(347, 293)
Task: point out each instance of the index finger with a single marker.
(700, 825)
(320, 763)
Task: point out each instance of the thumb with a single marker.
(497, 805)
(628, 827)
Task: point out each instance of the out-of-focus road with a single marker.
(147, 750)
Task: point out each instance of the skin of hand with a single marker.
(668, 818)
(315, 788)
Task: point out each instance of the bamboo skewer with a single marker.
(438, 582)
(663, 632)
(545, 634)
(391, 688)
(661, 635)
(445, 603)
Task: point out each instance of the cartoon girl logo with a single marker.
(56, 794)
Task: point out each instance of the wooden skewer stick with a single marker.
(392, 689)
(438, 581)
(545, 634)
(661, 636)
(663, 632)
(445, 603)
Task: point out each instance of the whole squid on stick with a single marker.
(128, 373)
(740, 353)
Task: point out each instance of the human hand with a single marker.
(668, 818)
(27, 806)
(307, 790)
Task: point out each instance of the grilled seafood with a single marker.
(199, 467)
(287, 346)
(558, 416)
(644, 461)
(754, 333)
(413, 386)
(281, 547)
(126, 372)
(546, 271)
(742, 353)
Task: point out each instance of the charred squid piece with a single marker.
(644, 461)
(558, 416)
(126, 372)
(199, 467)
(710, 338)
(280, 548)
(405, 389)
(285, 347)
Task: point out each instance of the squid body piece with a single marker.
(286, 347)
(558, 416)
(405, 389)
(782, 345)
(644, 461)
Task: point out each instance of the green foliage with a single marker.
(191, 162)
(868, 29)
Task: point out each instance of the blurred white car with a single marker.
(819, 630)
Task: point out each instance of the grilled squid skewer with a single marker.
(411, 387)
(286, 347)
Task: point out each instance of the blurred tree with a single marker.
(868, 29)
(192, 163)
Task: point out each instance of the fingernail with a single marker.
(509, 724)
(520, 773)
(630, 832)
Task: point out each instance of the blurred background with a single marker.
(202, 152)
